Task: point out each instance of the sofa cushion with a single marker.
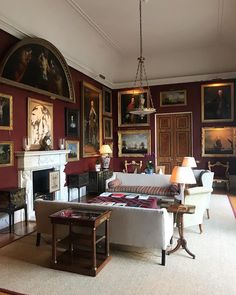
(150, 190)
(114, 183)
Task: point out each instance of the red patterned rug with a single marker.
(232, 201)
(7, 292)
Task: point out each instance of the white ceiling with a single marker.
(183, 40)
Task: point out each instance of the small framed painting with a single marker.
(54, 181)
(217, 102)
(73, 146)
(107, 101)
(6, 112)
(72, 122)
(134, 143)
(108, 128)
(6, 153)
(173, 98)
(218, 142)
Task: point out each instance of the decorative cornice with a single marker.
(178, 80)
(94, 25)
(9, 27)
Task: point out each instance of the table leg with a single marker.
(107, 238)
(94, 258)
(181, 241)
(54, 250)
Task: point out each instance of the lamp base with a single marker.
(105, 162)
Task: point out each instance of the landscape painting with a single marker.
(218, 142)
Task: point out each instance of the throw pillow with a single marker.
(114, 183)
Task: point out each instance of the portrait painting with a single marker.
(217, 102)
(134, 143)
(107, 101)
(54, 181)
(73, 146)
(173, 98)
(218, 142)
(6, 153)
(107, 128)
(91, 120)
(35, 64)
(72, 122)
(6, 112)
(40, 122)
(128, 100)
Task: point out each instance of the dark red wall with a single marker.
(8, 175)
(194, 106)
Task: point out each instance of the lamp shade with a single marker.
(182, 175)
(105, 149)
(189, 162)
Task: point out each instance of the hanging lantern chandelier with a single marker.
(144, 107)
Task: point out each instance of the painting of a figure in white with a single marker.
(40, 121)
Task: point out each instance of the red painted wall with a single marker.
(8, 175)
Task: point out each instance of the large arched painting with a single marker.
(37, 65)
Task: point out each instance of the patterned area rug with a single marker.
(232, 201)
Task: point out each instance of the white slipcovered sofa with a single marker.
(131, 226)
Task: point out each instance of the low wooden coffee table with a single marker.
(80, 254)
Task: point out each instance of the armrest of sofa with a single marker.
(198, 190)
(110, 179)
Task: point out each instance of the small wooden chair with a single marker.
(221, 172)
(133, 167)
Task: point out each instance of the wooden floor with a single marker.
(21, 229)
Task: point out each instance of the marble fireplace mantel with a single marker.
(30, 161)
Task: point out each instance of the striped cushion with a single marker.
(149, 190)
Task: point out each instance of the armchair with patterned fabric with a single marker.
(221, 172)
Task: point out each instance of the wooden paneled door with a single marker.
(173, 139)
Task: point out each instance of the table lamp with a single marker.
(189, 162)
(182, 176)
(105, 150)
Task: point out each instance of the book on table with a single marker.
(118, 195)
(133, 196)
(120, 204)
(143, 197)
(105, 194)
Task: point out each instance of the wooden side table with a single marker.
(179, 211)
(77, 180)
(12, 199)
(80, 253)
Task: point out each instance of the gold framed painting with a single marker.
(6, 112)
(73, 146)
(37, 65)
(218, 141)
(217, 102)
(40, 122)
(6, 153)
(134, 143)
(173, 98)
(128, 100)
(107, 128)
(91, 120)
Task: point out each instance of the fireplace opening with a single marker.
(41, 185)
